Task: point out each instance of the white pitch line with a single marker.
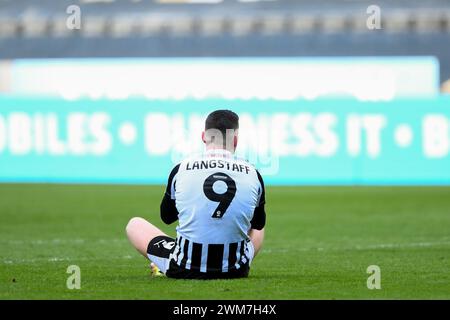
(359, 247)
(60, 259)
(403, 245)
(271, 250)
(62, 241)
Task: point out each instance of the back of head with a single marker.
(221, 129)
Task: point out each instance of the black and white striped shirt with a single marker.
(216, 199)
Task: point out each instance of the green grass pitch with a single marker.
(319, 243)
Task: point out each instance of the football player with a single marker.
(218, 201)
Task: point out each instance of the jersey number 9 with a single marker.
(224, 199)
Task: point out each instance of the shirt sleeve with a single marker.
(259, 215)
(171, 183)
(168, 209)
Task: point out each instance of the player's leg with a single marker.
(257, 238)
(140, 232)
(152, 243)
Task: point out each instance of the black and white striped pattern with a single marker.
(210, 258)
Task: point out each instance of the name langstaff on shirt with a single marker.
(219, 164)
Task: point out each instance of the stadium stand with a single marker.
(151, 28)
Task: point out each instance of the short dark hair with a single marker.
(222, 120)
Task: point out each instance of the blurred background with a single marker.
(329, 91)
(99, 99)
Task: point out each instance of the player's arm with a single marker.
(168, 210)
(259, 216)
(258, 221)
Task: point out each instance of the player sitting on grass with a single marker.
(218, 201)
